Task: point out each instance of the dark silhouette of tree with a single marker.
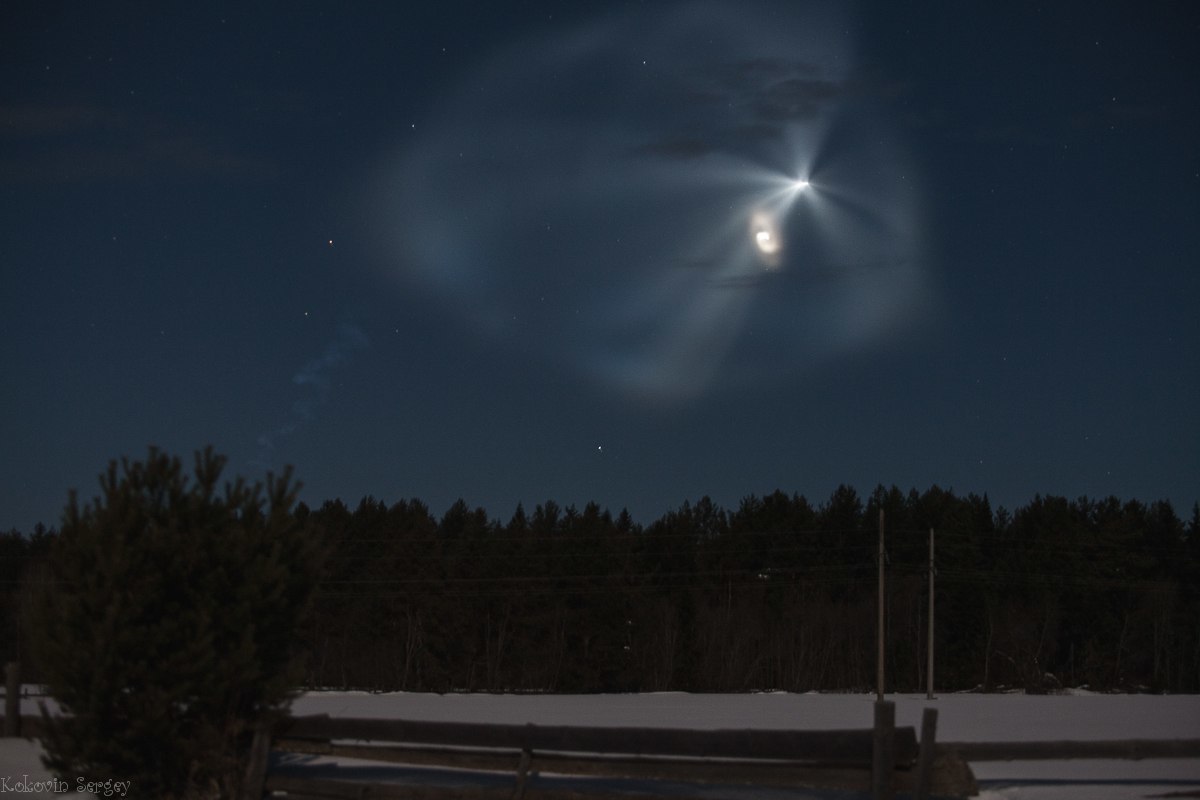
(165, 625)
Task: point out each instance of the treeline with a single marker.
(778, 594)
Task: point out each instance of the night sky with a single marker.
(634, 253)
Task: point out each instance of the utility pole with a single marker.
(883, 753)
(929, 669)
(879, 674)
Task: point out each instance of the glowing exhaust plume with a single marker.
(633, 236)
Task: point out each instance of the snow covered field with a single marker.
(962, 717)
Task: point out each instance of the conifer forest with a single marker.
(779, 593)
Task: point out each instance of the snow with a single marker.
(961, 717)
(21, 772)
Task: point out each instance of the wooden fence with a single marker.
(842, 759)
(880, 760)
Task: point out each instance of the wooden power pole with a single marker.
(879, 674)
(883, 754)
(929, 663)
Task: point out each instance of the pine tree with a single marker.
(165, 631)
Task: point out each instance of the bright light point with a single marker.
(800, 184)
(766, 240)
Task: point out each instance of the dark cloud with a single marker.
(774, 68)
(750, 281)
(878, 85)
(754, 99)
(692, 148)
(58, 144)
(30, 121)
(682, 148)
(777, 89)
(758, 132)
(794, 99)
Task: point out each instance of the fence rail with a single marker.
(1110, 749)
(828, 747)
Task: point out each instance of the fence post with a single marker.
(12, 700)
(925, 755)
(522, 774)
(883, 755)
